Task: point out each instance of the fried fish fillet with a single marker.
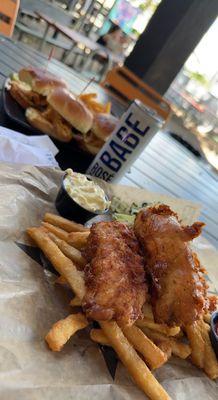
(178, 289)
(114, 275)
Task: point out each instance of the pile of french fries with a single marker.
(143, 347)
(90, 99)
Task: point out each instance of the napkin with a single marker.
(21, 149)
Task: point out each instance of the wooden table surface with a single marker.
(165, 166)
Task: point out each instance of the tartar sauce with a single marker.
(85, 192)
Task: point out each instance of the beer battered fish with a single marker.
(178, 288)
(114, 276)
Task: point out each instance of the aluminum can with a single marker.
(136, 128)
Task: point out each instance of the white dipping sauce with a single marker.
(86, 193)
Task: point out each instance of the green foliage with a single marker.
(148, 4)
(198, 77)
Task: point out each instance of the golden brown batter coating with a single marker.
(114, 276)
(178, 289)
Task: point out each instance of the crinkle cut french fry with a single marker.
(62, 330)
(179, 348)
(197, 343)
(60, 233)
(98, 336)
(78, 239)
(63, 223)
(60, 262)
(75, 302)
(210, 360)
(151, 353)
(69, 251)
(166, 330)
(134, 364)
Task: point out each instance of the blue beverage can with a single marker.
(136, 128)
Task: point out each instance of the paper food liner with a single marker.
(30, 303)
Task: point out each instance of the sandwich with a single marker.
(102, 127)
(64, 118)
(51, 108)
(31, 86)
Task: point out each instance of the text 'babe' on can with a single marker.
(136, 128)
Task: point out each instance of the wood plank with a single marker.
(186, 174)
(2, 79)
(145, 181)
(187, 154)
(5, 69)
(180, 158)
(173, 185)
(210, 228)
(184, 170)
(127, 182)
(21, 58)
(31, 51)
(173, 180)
(10, 62)
(210, 238)
(34, 54)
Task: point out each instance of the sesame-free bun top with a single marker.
(40, 80)
(103, 125)
(71, 109)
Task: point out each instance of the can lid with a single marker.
(153, 113)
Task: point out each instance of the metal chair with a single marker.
(8, 16)
(126, 85)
